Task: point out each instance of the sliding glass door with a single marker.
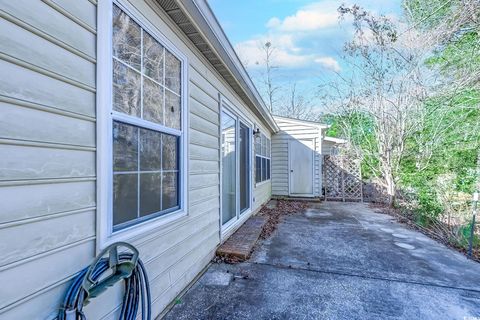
(236, 173)
(244, 164)
(229, 168)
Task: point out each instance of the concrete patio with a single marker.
(339, 261)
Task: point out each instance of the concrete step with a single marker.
(240, 245)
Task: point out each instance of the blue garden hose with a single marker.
(105, 272)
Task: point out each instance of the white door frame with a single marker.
(227, 107)
(290, 169)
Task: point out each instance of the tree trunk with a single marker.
(391, 189)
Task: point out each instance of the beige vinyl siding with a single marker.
(48, 162)
(262, 193)
(293, 129)
(47, 153)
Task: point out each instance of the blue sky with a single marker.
(307, 35)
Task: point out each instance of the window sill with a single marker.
(144, 228)
(262, 183)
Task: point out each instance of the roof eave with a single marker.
(201, 15)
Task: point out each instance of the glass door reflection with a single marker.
(229, 168)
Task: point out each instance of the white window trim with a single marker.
(229, 108)
(259, 184)
(105, 115)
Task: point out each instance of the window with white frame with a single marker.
(146, 123)
(262, 158)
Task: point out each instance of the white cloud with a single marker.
(295, 39)
(286, 55)
(273, 23)
(329, 63)
(312, 17)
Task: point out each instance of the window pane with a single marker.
(125, 147)
(258, 169)
(268, 148)
(126, 38)
(268, 169)
(150, 150)
(244, 164)
(169, 190)
(258, 145)
(152, 101)
(149, 193)
(264, 145)
(172, 72)
(264, 169)
(229, 168)
(172, 110)
(152, 58)
(124, 198)
(170, 150)
(126, 89)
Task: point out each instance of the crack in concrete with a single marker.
(346, 274)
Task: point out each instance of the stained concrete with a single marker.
(339, 261)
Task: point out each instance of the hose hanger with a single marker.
(104, 272)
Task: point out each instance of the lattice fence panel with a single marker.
(342, 178)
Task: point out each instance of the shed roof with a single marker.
(303, 122)
(335, 140)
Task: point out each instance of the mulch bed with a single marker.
(438, 234)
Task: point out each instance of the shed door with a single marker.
(301, 167)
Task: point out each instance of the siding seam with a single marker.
(179, 244)
(196, 202)
(203, 117)
(45, 253)
(206, 93)
(49, 287)
(41, 144)
(45, 108)
(209, 82)
(203, 145)
(196, 173)
(195, 262)
(46, 72)
(69, 15)
(46, 36)
(203, 187)
(207, 133)
(8, 183)
(49, 216)
(200, 87)
(204, 159)
(155, 234)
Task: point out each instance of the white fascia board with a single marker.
(202, 15)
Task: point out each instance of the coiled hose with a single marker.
(137, 287)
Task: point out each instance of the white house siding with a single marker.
(48, 155)
(293, 129)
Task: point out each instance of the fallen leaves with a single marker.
(275, 213)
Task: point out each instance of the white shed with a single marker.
(296, 158)
(330, 145)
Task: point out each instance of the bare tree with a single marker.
(297, 105)
(269, 84)
(386, 89)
